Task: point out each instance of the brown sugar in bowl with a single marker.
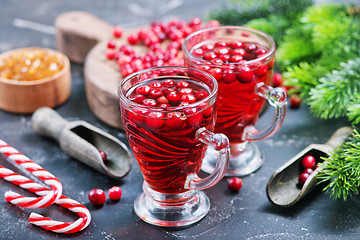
(25, 96)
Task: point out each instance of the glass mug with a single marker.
(241, 59)
(169, 115)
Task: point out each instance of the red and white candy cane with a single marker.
(47, 223)
(31, 202)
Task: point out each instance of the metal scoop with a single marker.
(282, 188)
(83, 141)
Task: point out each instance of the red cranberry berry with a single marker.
(195, 117)
(133, 39)
(198, 52)
(155, 84)
(229, 76)
(201, 94)
(222, 50)
(234, 184)
(302, 178)
(173, 120)
(260, 51)
(168, 83)
(277, 80)
(182, 84)
(261, 71)
(155, 120)
(115, 193)
(245, 74)
(110, 54)
(143, 90)
(195, 22)
(308, 162)
(97, 196)
(295, 101)
(150, 102)
(210, 56)
(189, 98)
(207, 47)
(238, 51)
(139, 99)
(236, 44)
(217, 73)
(184, 91)
(236, 58)
(173, 97)
(221, 44)
(103, 155)
(111, 44)
(118, 31)
(155, 93)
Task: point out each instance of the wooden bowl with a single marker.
(26, 96)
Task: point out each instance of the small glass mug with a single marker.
(241, 59)
(169, 138)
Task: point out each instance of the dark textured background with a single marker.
(244, 215)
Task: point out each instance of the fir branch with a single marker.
(353, 111)
(304, 77)
(342, 169)
(335, 92)
(275, 26)
(239, 12)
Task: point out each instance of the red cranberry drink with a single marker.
(163, 140)
(242, 61)
(169, 115)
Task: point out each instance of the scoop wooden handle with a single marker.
(47, 122)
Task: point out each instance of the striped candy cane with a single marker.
(47, 223)
(31, 202)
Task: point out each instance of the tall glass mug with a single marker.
(241, 60)
(169, 115)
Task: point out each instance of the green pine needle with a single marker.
(353, 111)
(336, 92)
(342, 169)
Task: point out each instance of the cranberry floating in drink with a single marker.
(241, 60)
(169, 132)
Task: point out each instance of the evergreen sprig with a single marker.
(337, 92)
(270, 16)
(342, 169)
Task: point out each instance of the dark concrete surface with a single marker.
(244, 215)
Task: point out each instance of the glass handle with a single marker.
(276, 98)
(221, 144)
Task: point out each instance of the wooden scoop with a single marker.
(83, 141)
(282, 188)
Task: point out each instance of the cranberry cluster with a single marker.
(308, 165)
(163, 41)
(169, 93)
(229, 60)
(98, 196)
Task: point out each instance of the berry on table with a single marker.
(295, 101)
(234, 184)
(115, 193)
(97, 196)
